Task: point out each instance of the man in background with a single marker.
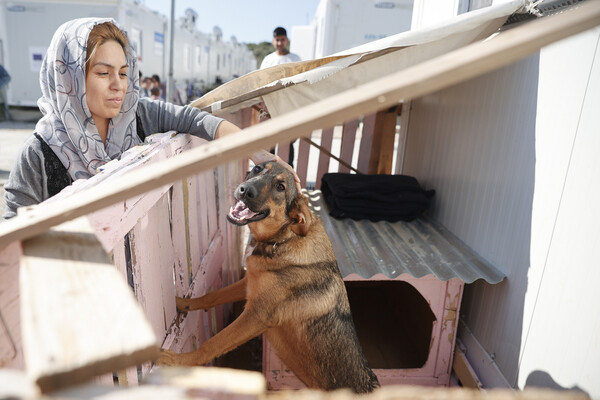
(281, 55)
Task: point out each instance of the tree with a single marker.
(260, 50)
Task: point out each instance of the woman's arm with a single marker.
(25, 185)
(158, 116)
(227, 128)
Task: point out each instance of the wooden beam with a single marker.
(463, 370)
(427, 77)
(79, 317)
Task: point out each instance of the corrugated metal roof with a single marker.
(419, 248)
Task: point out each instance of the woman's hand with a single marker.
(263, 156)
(227, 128)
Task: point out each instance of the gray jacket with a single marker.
(28, 182)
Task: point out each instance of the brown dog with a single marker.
(295, 293)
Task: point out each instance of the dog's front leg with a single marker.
(244, 328)
(229, 294)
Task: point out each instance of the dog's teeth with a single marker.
(241, 212)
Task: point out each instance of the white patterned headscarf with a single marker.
(67, 125)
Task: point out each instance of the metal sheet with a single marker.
(419, 248)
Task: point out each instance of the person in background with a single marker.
(281, 55)
(145, 86)
(92, 113)
(155, 93)
(161, 86)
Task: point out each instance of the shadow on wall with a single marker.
(542, 379)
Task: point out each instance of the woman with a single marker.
(93, 113)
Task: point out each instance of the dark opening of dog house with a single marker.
(393, 321)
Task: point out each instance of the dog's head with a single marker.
(269, 202)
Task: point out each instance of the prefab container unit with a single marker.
(28, 26)
(343, 24)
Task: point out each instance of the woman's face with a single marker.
(106, 83)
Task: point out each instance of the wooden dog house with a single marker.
(405, 283)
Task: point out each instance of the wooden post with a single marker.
(347, 147)
(323, 166)
(382, 151)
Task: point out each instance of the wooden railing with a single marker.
(160, 242)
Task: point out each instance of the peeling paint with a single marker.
(186, 213)
(450, 315)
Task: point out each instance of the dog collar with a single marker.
(276, 244)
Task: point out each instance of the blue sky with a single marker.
(249, 21)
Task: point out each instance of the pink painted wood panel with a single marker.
(152, 263)
(368, 131)
(283, 151)
(11, 351)
(303, 154)
(444, 300)
(347, 146)
(193, 220)
(323, 166)
(180, 237)
(112, 223)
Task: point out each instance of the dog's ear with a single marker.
(301, 216)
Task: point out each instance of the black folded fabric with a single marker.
(374, 197)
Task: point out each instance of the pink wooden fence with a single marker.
(160, 241)
(366, 145)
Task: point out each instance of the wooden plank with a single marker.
(348, 141)
(212, 382)
(11, 349)
(303, 160)
(426, 77)
(210, 208)
(199, 215)
(283, 151)
(364, 154)
(229, 177)
(192, 324)
(152, 256)
(128, 377)
(382, 148)
(463, 370)
(404, 123)
(79, 317)
(247, 117)
(193, 222)
(180, 238)
(413, 392)
(323, 166)
(112, 223)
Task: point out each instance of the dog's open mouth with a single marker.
(240, 214)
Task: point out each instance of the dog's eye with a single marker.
(256, 169)
(280, 187)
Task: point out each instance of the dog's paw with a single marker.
(167, 357)
(182, 304)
